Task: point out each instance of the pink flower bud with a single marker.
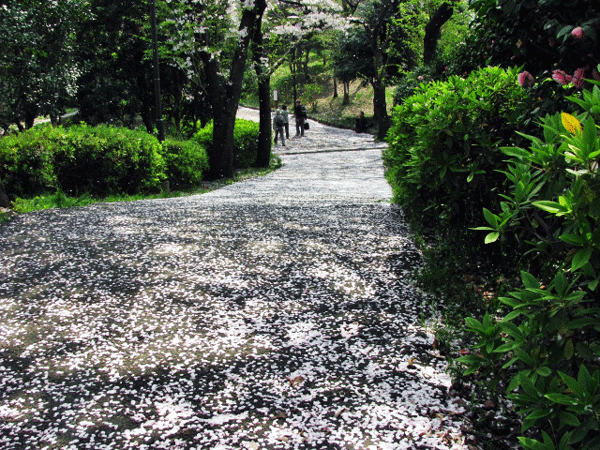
(578, 78)
(561, 77)
(577, 32)
(525, 79)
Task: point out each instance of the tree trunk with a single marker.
(30, 115)
(224, 96)
(221, 156)
(432, 31)
(380, 110)
(4, 202)
(346, 100)
(306, 62)
(263, 156)
(335, 88)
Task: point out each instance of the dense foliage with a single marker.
(38, 71)
(186, 162)
(444, 152)
(245, 141)
(98, 160)
(547, 345)
(542, 35)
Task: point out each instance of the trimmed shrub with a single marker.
(106, 160)
(80, 159)
(443, 158)
(245, 137)
(26, 162)
(186, 162)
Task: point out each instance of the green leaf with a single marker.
(569, 349)
(551, 207)
(581, 258)
(529, 280)
(572, 384)
(511, 329)
(538, 414)
(590, 137)
(474, 324)
(528, 386)
(517, 152)
(491, 218)
(561, 399)
(532, 444)
(510, 363)
(492, 237)
(512, 315)
(569, 419)
(544, 371)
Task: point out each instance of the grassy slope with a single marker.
(328, 109)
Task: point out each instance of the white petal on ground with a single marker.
(274, 313)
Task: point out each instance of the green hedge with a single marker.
(245, 141)
(106, 160)
(186, 161)
(443, 156)
(99, 161)
(26, 162)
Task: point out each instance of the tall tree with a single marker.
(432, 31)
(374, 50)
(289, 25)
(263, 157)
(37, 71)
(218, 48)
(114, 51)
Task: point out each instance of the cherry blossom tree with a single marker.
(287, 26)
(212, 38)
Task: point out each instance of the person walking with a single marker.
(301, 116)
(278, 125)
(286, 120)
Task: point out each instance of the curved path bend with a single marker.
(275, 313)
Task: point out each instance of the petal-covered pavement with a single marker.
(275, 313)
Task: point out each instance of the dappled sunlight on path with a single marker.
(275, 313)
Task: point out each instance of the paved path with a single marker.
(275, 313)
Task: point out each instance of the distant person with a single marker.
(278, 125)
(362, 125)
(301, 116)
(286, 120)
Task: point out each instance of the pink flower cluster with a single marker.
(577, 32)
(562, 78)
(525, 79)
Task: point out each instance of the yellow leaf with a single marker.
(570, 122)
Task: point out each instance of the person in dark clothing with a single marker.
(286, 120)
(362, 125)
(278, 125)
(301, 116)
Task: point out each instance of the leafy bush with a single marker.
(26, 162)
(186, 162)
(541, 35)
(443, 158)
(408, 82)
(548, 343)
(245, 137)
(80, 159)
(106, 160)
